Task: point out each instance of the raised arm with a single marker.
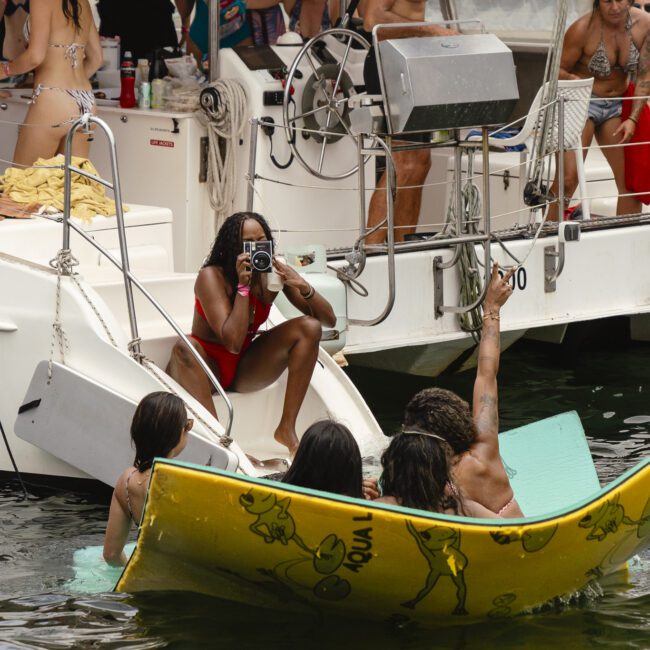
(486, 404)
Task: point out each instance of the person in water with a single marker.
(605, 44)
(452, 452)
(159, 429)
(231, 303)
(417, 474)
(64, 52)
(328, 459)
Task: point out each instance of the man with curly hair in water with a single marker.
(471, 436)
(446, 457)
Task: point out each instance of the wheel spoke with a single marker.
(323, 144)
(295, 118)
(342, 68)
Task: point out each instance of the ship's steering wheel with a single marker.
(324, 107)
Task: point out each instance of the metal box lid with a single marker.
(442, 82)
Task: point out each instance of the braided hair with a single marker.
(416, 471)
(444, 413)
(71, 11)
(228, 245)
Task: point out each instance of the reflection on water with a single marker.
(38, 537)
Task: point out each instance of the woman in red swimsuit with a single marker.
(232, 301)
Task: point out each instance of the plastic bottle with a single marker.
(127, 77)
(144, 96)
(157, 93)
(142, 71)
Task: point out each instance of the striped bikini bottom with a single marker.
(84, 99)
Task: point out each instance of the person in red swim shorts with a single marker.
(232, 301)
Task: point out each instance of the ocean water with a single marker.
(608, 387)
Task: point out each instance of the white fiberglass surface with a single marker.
(518, 15)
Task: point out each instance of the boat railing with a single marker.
(85, 122)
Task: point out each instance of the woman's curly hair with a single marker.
(416, 471)
(228, 244)
(442, 412)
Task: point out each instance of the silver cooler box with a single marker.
(442, 82)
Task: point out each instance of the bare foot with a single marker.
(274, 464)
(288, 438)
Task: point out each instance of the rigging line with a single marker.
(13, 461)
(57, 125)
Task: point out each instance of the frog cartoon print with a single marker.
(440, 547)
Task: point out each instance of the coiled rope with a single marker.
(225, 122)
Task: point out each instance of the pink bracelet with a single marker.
(243, 289)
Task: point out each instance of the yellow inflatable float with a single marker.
(275, 545)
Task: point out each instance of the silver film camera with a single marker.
(261, 253)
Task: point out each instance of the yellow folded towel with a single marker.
(44, 185)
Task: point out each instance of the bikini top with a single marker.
(128, 498)
(599, 64)
(70, 49)
(261, 312)
(11, 7)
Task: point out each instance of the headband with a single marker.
(413, 432)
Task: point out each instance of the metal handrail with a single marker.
(123, 266)
(391, 181)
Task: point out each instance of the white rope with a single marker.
(225, 126)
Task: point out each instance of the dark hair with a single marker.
(228, 244)
(157, 427)
(71, 11)
(416, 473)
(442, 412)
(328, 458)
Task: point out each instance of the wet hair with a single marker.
(157, 427)
(328, 459)
(71, 11)
(416, 472)
(228, 244)
(442, 412)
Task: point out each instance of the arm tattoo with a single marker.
(487, 419)
(643, 78)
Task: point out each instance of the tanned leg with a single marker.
(616, 159)
(412, 168)
(292, 345)
(185, 369)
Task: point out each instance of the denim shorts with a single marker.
(600, 110)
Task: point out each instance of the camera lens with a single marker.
(261, 261)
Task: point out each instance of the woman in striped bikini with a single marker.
(64, 52)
